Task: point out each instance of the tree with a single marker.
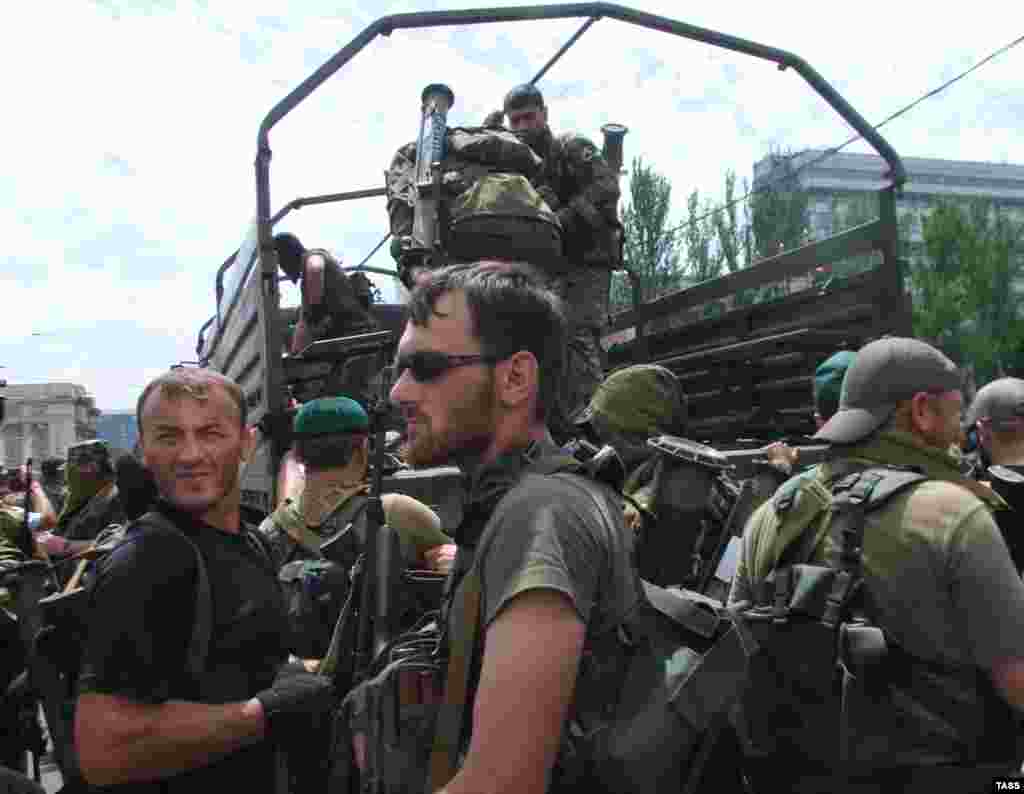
(779, 211)
(963, 286)
(703, 260)
(651, 245)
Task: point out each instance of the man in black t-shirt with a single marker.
(997, 414)
(142, 722)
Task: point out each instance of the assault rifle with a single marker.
(364, 631)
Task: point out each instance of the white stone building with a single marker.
(43, 419)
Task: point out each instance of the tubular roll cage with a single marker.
(881, 232)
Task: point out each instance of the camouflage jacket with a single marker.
(88, 521)
(11, 519)
(583, 189)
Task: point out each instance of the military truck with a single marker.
(746, 366)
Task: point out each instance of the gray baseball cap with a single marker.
(1001, 401)
(886, 371)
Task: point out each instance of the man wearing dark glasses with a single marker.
(477, 372)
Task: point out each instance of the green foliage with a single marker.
(651, 247)
(964, 286)
(779, 213)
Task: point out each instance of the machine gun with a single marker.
(426, 245)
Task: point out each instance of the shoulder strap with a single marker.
(452, 716)
(202, 625)
(855, 496)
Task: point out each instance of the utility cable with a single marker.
(836, 149)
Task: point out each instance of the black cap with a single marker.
(1001, 402)
(523, 96)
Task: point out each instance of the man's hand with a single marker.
(440, 558)
(780, 454)
(54, 544)
(295, 703)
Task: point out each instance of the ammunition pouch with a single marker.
(384, 730)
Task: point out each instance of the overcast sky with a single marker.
(130, 133)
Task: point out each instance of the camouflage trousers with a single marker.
(585, 292)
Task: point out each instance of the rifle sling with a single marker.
(452, 715)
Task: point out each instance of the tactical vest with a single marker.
(317, 583)
(829, 693)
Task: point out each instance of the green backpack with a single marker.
(489, 207)
(829, 693)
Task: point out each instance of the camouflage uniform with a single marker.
(577, 182)
(86, 514)
(11, 523)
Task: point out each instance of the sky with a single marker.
(130, 134)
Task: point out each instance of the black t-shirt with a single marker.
(141, 622)
(1008, 482)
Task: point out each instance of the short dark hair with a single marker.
(511, 309)
(290, 253)
(523, 96)
(319, 453)
(194, 382)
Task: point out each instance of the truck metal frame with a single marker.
(244, 338)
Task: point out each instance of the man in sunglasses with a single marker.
(937, 579)
(477, 372)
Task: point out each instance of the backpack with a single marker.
(828, 693)
(56, 657)
(488, 205)
(317, 585)
(402, 728)
(683, 497)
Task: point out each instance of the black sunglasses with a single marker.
(428, 365)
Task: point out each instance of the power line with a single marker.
(836, 149)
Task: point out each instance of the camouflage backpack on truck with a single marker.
(489, 206)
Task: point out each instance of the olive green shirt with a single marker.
(418, 528)
(936, 567)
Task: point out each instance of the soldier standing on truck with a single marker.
(582, 188)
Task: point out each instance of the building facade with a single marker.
(840, 179)
(42, 420)
(119, 429)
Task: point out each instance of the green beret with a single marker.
(329, 416)
(828, 382)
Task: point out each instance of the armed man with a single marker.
(92, 503)
(52, 470)
(919, 706)
(477, 370)
(583, 190)
(187, 630)
(997, 414)
(332, 443)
